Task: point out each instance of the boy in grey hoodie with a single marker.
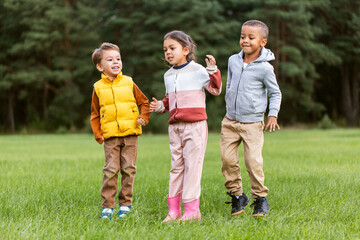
(250, 80)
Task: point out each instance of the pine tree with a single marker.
(341, 19)
(47, 59)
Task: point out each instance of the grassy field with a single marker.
(50, 189)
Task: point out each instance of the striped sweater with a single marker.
(185, 95)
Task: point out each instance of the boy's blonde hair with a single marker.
(263, 28)
(97, 53)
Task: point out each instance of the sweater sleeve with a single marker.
(165, 101)
(143, 102)
(274, 93)
(163, 105)
(95, 118)
(215, 84)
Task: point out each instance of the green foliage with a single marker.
(50, 189)
(64, 108)
(62, 130)
(87, 125)
(47, 45)
(326, 123)
(47, 49)
(158, 123)
(215, 110)
(341, 19)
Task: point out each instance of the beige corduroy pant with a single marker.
(252, 136)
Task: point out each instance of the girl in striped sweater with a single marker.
(185, 82)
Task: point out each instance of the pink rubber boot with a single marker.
(191, 211)
(174, 208)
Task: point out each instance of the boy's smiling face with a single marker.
(110, 63)
(251, 41)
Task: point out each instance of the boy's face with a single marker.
(251, 41)
(110, 63)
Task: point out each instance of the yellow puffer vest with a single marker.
(118, 108)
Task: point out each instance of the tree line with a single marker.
(46, 73)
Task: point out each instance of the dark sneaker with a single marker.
(261, 207)
(238, 204)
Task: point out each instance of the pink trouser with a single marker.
(187, 145)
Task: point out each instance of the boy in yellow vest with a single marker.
(115, 120)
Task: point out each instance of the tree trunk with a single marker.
(350, 95)
(277, 47)
(45, 97)
(11, 118)
(283, 43)
(355, 93)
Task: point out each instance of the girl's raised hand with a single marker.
(210, 61)
(153, 104)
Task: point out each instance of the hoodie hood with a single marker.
(265, 55)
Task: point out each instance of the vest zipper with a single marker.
(116, 112)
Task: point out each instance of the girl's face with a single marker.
(110, 63)
(175, 53)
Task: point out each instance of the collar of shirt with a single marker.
(181, 66)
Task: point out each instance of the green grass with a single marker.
(50, 189)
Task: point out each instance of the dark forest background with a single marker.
(46, 73)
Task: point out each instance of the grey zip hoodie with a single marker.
(247, 88)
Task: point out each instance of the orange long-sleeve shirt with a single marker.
(141, 100)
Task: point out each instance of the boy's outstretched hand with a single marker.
(210, 61)
(272, 124)
(141, 121)
(153, 104)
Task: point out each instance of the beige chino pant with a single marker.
(187, 145)
(120, 155)
(251, 134)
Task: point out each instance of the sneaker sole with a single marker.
(240, 212)
(260, 215)
(237, 213)
(106, 216)
(123, 216)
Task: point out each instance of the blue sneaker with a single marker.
(124, 212)
(107, 213)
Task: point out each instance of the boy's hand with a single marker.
(272, 124)
(141, 121)
(100, 140)
(153, 104)
(210, 61)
